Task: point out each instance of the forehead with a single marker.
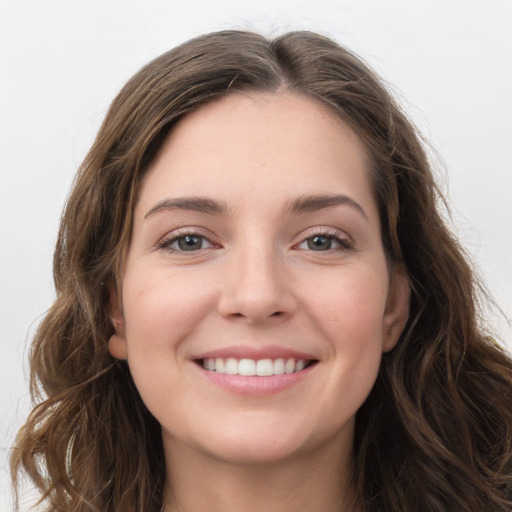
(260, 144)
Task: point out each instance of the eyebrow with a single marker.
(313, 203)
(197, 204)
(303, 204)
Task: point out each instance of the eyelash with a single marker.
(345, 243)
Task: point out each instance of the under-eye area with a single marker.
(255, 367)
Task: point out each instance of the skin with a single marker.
(256, 278)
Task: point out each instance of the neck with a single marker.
(312, 483)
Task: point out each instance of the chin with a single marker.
(264, 450)
(253, 439)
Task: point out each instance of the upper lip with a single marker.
(256, 353)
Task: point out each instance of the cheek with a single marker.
(349, 305)
(161, 310)
(348, 312)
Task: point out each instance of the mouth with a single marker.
(255, 367)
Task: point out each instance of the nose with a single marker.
(256, 288)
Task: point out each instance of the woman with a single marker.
(259, 306)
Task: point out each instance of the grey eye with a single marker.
(319, 243)
(190, 243)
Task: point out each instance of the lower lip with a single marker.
(256, 386)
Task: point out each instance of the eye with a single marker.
(187, 242)
(323, 242)
(320, 243)
(190, 243)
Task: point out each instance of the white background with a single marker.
(61, 63)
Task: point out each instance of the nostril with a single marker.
(275, 314)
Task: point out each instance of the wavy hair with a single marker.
(434, 435)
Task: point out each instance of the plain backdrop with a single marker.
(61, 63)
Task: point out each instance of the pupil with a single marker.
(319, 243)
(189, 243)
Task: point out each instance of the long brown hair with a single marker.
(434, 435)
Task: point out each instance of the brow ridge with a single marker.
(198, 204)
(312, 203)
(303, 204)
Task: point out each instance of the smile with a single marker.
(255, 367)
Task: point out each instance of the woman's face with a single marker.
(256, 296)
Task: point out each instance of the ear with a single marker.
(117, 343)
(397, 309)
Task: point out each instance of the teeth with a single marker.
(252, 367)
(231, 367)
(220, 365)
(289, 367)
(247, 367)
(279, 366)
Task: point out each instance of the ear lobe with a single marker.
(117, 343)
(117, 347)
(397, 309)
